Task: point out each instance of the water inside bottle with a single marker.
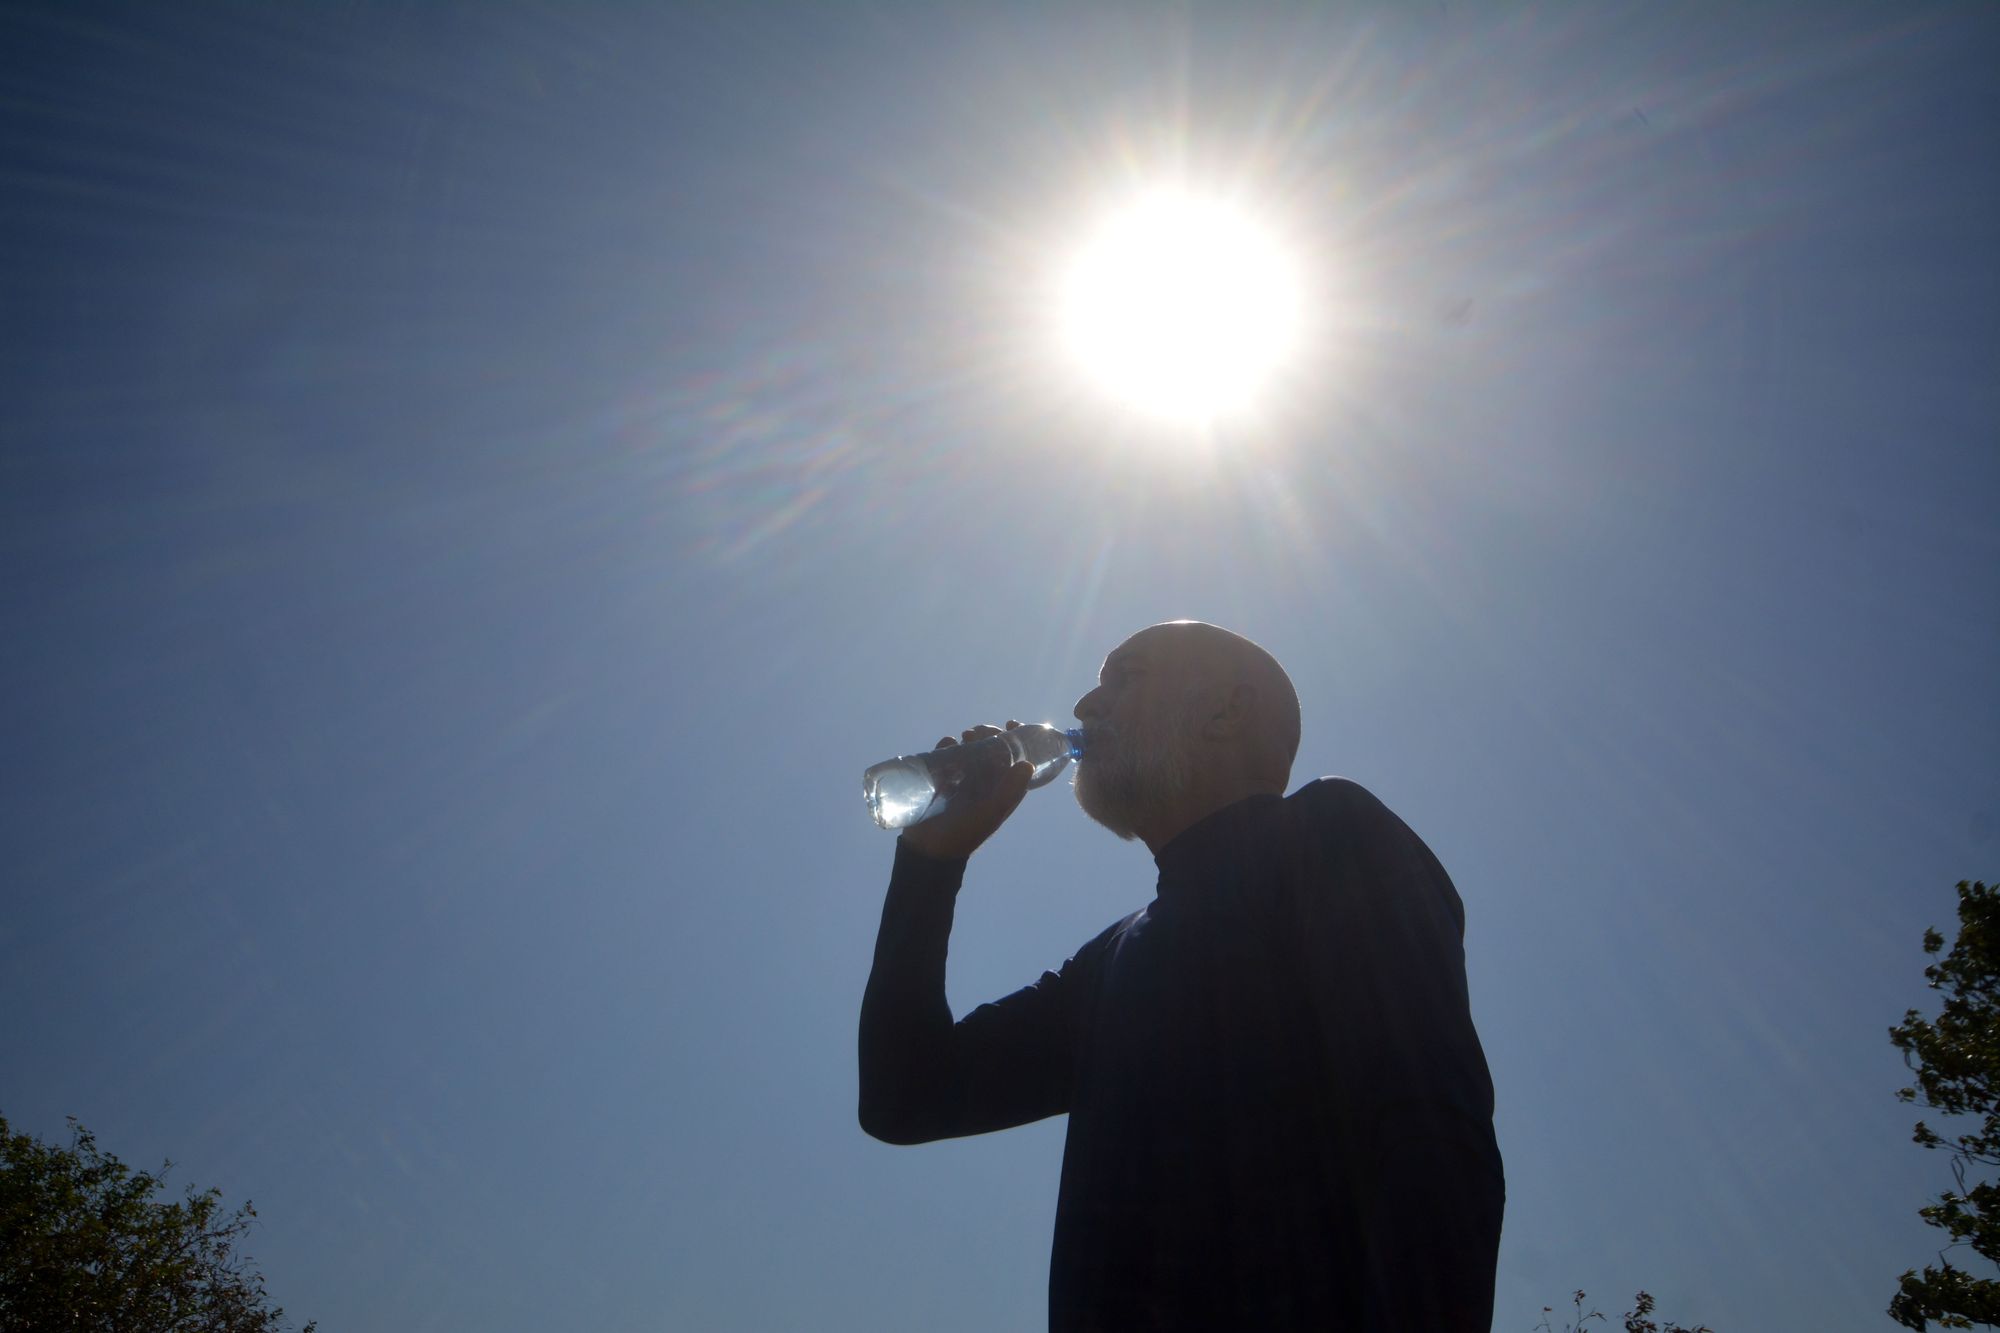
(904, 790)
(898, 794)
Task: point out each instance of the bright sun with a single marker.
(1182, 307)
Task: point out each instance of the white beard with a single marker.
(1146, 770)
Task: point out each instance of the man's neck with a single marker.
(1191, 809)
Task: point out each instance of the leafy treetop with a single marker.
(86, 1248)
(1956, 1058)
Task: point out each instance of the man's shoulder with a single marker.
(1349, 825)
(1081, 968)
(1105, 939)
(1333, 797)
(1340, 812)
(1109, 935)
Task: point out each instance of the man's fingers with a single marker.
(971, 734)
(980, 796)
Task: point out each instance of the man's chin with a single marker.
(1093, 805)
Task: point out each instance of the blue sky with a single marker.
(479, 483)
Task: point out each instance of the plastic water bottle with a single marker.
(911, 788)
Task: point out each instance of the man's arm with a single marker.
(924, 1077)
(1383, 933)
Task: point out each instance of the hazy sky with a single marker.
(480, 482)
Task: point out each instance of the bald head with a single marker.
(1186, 718)
(1253, 702)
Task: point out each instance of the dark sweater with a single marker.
(1280, 1115)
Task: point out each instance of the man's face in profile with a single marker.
(1139, 722)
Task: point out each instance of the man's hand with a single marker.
(979, 806)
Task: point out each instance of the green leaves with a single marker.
(1637, 1320)
(85, 1248)
(1956, 1060)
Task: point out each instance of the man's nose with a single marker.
(1086, 707)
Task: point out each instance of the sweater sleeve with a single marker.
(1382, 928)
(924, 1077)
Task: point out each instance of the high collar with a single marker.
(1216, 844)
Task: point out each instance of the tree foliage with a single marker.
(86, 1248)
(1638, 1319)
(1956, 1058)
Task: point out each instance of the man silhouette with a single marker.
(1280, 1114)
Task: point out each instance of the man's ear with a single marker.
(1231, 712)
